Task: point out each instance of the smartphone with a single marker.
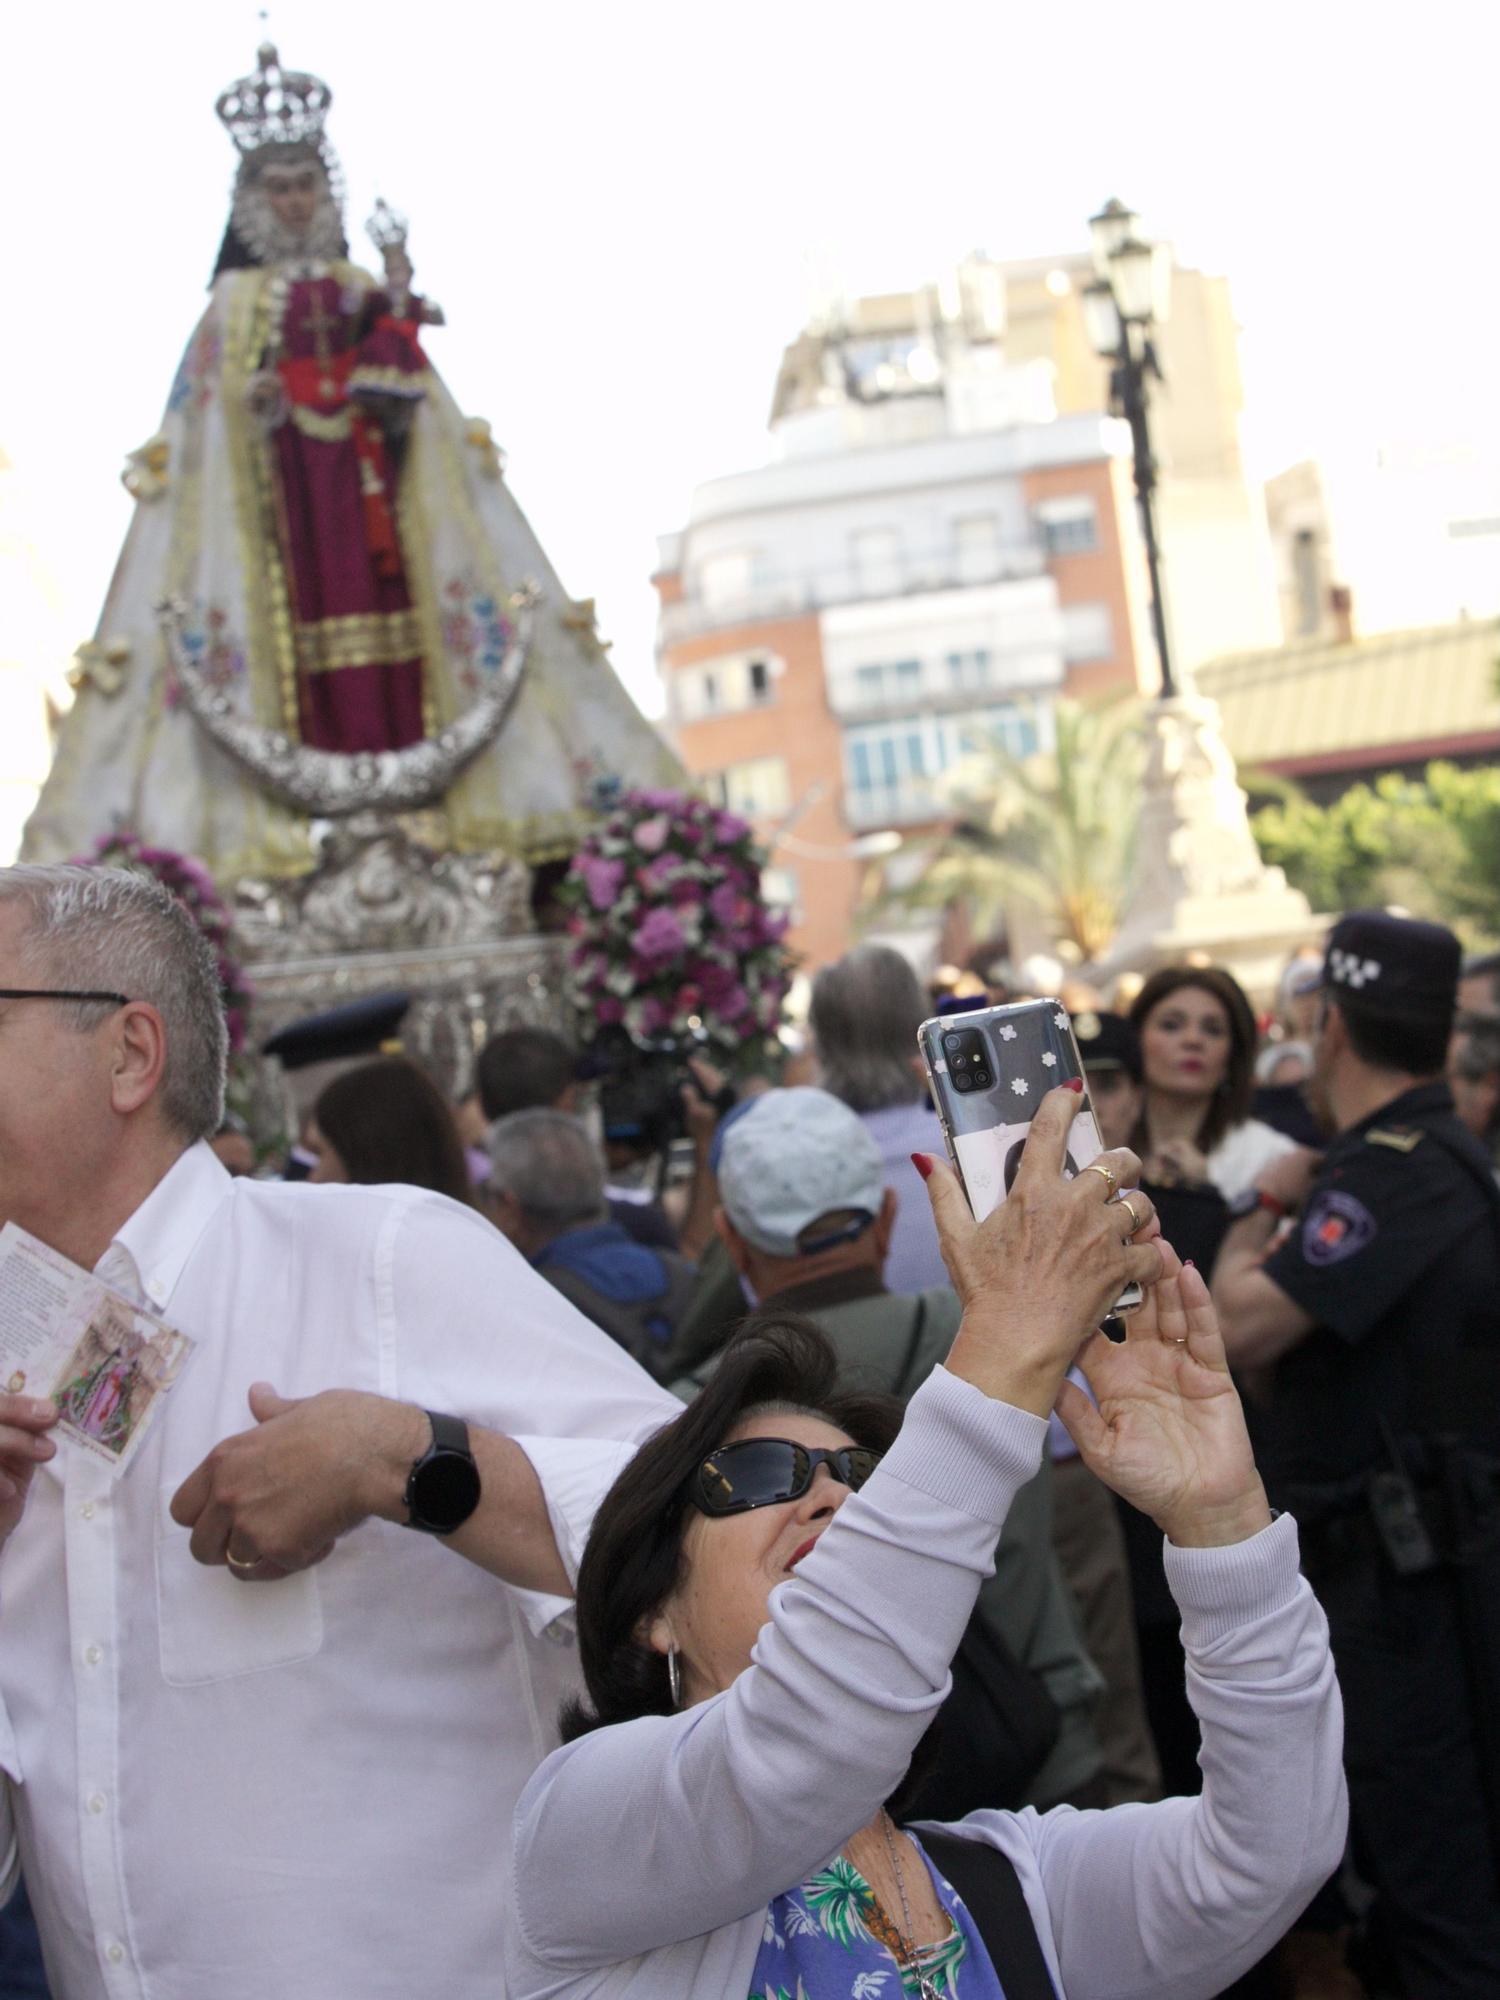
(989, 1070)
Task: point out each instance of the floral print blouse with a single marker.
(828, 1939)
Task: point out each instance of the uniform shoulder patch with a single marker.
(1400, 1138)
(1337, 1226)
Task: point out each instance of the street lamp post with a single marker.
(1199, 884)
(1131, 294)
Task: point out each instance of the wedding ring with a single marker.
(241, 1568)
(1110, 1180)
(1136, 1221)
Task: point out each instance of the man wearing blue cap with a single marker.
(1380, 1306)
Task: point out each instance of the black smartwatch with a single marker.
(442, 1489)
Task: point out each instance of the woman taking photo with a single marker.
(770, 1598)
(1198, 1041)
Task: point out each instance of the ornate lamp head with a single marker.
(274, 106)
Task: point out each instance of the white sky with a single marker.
(618, 206)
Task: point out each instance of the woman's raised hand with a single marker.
(1036, 1277)
(1168, 1433)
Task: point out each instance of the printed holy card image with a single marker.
(106, 1362)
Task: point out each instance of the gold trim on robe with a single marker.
(326, 429)
(367, 639)
(409, 385)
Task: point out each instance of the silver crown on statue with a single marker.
(387, 227)
(275, 106)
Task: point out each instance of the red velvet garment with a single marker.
(342, 360)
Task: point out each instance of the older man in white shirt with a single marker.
(257, 1737)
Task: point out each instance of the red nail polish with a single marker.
(1075, 1083)
(923, 1163)
(1190, 1265)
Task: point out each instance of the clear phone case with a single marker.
(989, 1071)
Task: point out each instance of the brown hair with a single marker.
(1230, 1105)
(388, 1121)
(634, 1559)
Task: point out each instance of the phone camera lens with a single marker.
(980, 1079)
(963, 1081)
(953, 1044)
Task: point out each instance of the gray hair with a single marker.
(107, 929)
(548, 1160)
(864, 1014)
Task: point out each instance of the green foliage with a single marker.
(1056, 829)
(1430, 845)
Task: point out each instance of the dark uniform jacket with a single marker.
(1397, 1257)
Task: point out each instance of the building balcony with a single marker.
(893, 806)
(778, 597)
(1027, 680)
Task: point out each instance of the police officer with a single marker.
(1371, 1279)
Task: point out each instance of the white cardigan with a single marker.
(645, 1854)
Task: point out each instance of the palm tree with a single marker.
(1056, 829)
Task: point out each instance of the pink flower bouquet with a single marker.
(670, 935)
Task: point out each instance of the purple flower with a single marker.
(608, 1011)
(659, 936)
(601, 879)
(651, 834)
(729, 827)
(729, 908)
(660, 874)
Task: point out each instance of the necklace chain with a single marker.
(925, 1987)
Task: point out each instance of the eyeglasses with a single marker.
(60, 993)
(759, 1472)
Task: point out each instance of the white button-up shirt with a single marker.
(304, 1788)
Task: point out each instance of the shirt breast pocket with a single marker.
(213, 1628)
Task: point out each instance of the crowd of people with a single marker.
(827, 1607)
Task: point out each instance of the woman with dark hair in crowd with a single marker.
(1198, 1043)
(388, 1121)
(767, 1608)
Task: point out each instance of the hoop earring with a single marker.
(674, 1677)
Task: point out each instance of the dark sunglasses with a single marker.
(758, 1472)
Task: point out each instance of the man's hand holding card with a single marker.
(78, 1360)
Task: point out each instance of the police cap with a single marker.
(359, 1028)
(1108, 1041)
(1393, 966)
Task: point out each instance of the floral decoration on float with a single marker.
(193, 886)
(672, 940)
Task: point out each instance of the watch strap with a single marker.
(448, 1434)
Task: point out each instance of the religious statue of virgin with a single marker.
(327, 582)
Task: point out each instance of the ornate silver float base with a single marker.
(382, 912)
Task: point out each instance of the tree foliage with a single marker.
(1056, 829)
(1431, 845)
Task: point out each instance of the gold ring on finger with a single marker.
(1111, 1180)
(240, 1567)
(1136, 1221)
